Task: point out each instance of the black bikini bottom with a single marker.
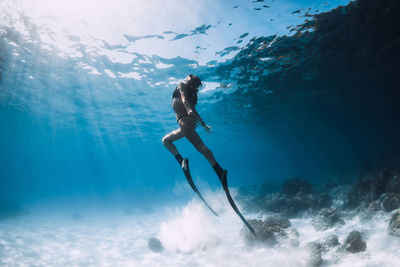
(186, 115)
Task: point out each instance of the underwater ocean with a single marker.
(303, 97)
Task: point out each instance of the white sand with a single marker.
(191, 236)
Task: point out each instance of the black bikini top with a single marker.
(191, 94)
(176, 93)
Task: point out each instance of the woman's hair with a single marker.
(193, 84)
(194, 81)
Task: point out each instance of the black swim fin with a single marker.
(185, 167)
(224, 183)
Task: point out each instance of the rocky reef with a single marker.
(379, 189)
(271, 231)
(328, 207)
(394, 224)
(295, 198)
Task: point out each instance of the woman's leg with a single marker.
(188, 130)
(172, 137)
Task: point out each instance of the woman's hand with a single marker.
(196, 118)
(199, 121)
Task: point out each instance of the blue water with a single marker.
(85, 92)
(85, 97)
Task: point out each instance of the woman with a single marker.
(184, 100)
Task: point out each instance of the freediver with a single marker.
(184, 100)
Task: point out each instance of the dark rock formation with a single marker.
(295, 205)
(387, 202)
(394, 224)
(390, 201)
(374, 206)
(326, 218)
(253, 197)
(264, 233)
(394, 183)
(363, 193)
(155, 245)
(381, 185)
(329, 242)
(296, 186)
(277, 222)
(294, 199)
(288, 206)
(271, 230)
(354, 242)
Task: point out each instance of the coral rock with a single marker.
(354, 242)
(271, 230)
(155, 245)
(394, 224)
(326, 218)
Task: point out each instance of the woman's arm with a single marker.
(191, 110)
(188, 106)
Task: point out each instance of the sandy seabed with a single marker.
(190, 235)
